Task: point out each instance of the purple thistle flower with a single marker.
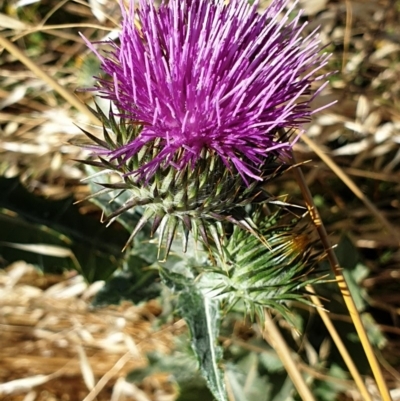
(204, 75)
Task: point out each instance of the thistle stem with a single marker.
(274, 337)
(340, 346)
(344, 289)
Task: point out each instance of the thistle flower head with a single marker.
(210, 76)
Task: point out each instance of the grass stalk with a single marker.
(65, 93)
(340, 346)
(275, 338)
(352, 186)
(344, 289)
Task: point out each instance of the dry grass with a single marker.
(63, 348)
(48, 327)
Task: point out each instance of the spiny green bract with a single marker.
(258, 275)
(192, 199)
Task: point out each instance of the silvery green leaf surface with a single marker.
(202, 315)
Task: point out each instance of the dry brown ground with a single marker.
(64, 349)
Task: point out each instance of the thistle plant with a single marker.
(208, 98)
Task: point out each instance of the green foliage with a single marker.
(54, 235)
(202, 315)
(182, 368)
(245, 381)
(250, 259)
(328, 390)
(136, 285)
(235, 270)
(355, 271)
(36, 244)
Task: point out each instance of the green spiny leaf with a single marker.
(202, 316)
